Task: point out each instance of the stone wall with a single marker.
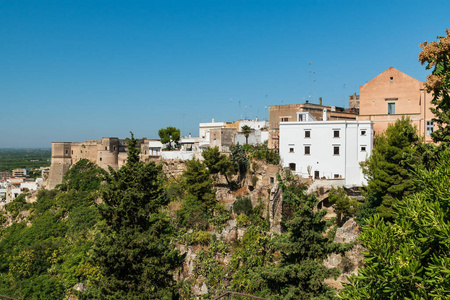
(107, 152)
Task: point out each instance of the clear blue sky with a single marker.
(77, 70)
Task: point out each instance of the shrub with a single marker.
(221, 216)
(242, 205)
(254, 181)
(242, 220)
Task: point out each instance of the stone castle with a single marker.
(109, 151)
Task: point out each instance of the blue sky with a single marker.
(78, 70)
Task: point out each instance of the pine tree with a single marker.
(389, 169)
(134, 249)
(300, 273)
(218, 163)
(200, 199)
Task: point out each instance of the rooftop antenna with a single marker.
(240, 111)
(314, 84)
(309, 98)
(343, 97)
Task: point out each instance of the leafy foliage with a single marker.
(409, 259)
(199, 203)
(436, 54)
(83, 176)
(242, 205)
(344, 206)
(262, 153)
(218, 163)
(134, 250)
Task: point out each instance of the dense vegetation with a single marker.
(407, 217)
(23, 158)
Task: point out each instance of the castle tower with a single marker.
(61, 162)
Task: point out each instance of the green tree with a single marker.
(240, 160)
(200, 200)
(170, 136)
(218, 163)
(83, 176)
(389, 169)
(246, 131)
(409, 259)
(344, 206)
(300, 272)
(134, 250)
(437, 54)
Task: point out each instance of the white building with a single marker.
(205, 128)
(326, 149)
(17, 186)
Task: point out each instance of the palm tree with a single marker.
(246, 131)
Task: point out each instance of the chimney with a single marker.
(324, 116)
(320, 100)
(189, 135)
(213, 120)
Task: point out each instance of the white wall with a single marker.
(322, 143)
(204, 128)
(184, 155)
(256, 137)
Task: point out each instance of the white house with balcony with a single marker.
(326, 149)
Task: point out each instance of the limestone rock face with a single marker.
(81, 287)
(352, 260)
(347, 233)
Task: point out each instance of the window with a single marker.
(272, 179)
(430, 127)
(284, 119)
(292, 166)
(291, 150)
(114, 148)
(307, 150)
(336, 133)
(307, 133)
(363, 132)
(72, 151)
(391, 108)
(67, 151)
(106, 148)
(100, 159)
(392, 79)
(363, 148)
(336, 150)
